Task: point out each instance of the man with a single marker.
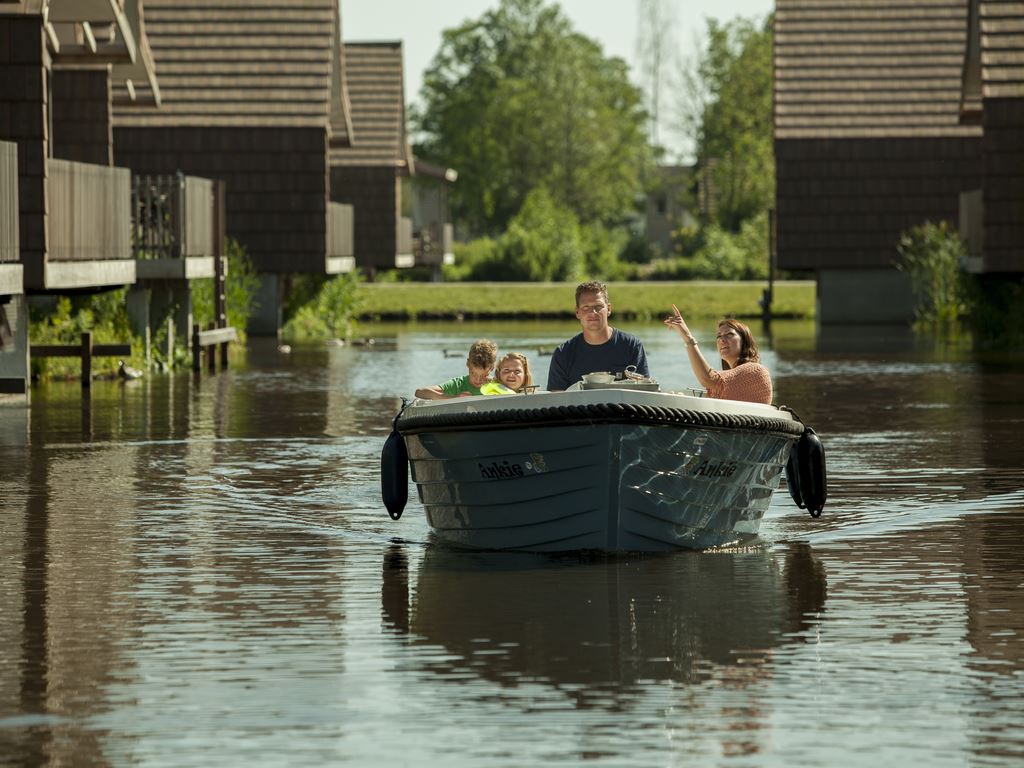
(599, 347)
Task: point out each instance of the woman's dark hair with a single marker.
(748, 347)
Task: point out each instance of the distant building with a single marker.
(253, 95)
(992, 216)
(667, 204)
(367, 172)
(869, 141)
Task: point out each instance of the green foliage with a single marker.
(469, 257)
(327, 313)
(728, 256)
(728, 114)
(241, 286)
(931, 254)
(637, 250)
(517, 100)
(64, 321)
(997, 310)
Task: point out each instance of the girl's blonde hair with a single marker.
(527, 376)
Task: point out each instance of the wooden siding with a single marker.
(843, 203)
(376, 94)
(869, 68)
(1003, 191)
(90, 212)
(373, 192)
(81, 115)
(23, 106)
(238, 63)
(1002, 48)
(8, 202)
(276, 183)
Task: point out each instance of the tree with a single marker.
(517, 100)
(728, 114)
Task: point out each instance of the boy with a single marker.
(482, 356)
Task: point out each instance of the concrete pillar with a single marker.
(266, 320)
(170, 299)
(137, 304)
(15, 371)
(864, 297)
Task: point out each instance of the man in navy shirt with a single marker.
(599, 347)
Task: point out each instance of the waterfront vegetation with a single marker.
(649, 300)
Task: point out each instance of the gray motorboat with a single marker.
(614, 468)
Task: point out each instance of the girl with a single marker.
(514, 372)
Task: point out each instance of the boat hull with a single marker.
(606, 482)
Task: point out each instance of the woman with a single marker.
(742, 376)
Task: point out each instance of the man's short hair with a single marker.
(592, 286)
(483, 354)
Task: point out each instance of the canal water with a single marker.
(199, 573)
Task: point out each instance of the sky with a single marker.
(612, 23)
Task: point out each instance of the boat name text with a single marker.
(496, 471)
(715, 469)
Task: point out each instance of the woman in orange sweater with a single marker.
(742, 376)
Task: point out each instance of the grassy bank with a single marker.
(403, 301)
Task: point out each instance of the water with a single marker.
(195, 574)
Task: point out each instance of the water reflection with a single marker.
(598, 627)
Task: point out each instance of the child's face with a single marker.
(511, 373)
(478, 376)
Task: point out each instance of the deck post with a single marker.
(86, 358)
(211, 353)
(196, 365)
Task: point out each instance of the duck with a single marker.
(126, 372)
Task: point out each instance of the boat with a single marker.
(617, 467)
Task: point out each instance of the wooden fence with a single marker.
(86, 350)
(90, 211)
(8, 202)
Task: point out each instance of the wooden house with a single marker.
(252, 93)
(868, 142)
(72, 227)
(368, 171)
(992, 97)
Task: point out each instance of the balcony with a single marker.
(434, 245)
(89, 226)
(10, 257)
(175, 226)
(340, 238)
(404, 253)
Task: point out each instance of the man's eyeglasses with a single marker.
(592, 308)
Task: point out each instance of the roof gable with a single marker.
(376, 91)
(846, 68)
(240, 62)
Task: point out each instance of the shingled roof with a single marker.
(1002, 48)
(376, 90)
(869, 68)
(243, 63)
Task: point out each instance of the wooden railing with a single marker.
(173, 216)
(433, 242)
(90, 211)
(8, 202)
(404, 237)
(340, 221)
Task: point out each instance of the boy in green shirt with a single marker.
(482, 356)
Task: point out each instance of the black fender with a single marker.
(793, 476)
(813, 479)
(394, 471)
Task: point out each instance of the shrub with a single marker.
(328, 314)
(734, 256)
(931, 254)
(241, 286)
